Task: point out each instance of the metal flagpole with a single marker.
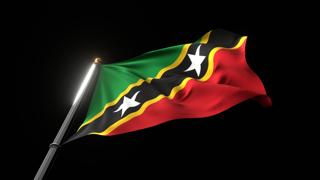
(56, 142)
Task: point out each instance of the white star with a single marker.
(128, 103)
(196, 61)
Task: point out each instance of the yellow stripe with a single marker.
(205, 38)
(211, 56)
(176, 63)
(173, 92)
(139, 82)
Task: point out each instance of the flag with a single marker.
(192, 80)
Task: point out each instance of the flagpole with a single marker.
(53, 147)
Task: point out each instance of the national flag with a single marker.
(193, 80)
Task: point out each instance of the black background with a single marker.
(57, 43)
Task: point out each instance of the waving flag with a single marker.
(192, 80)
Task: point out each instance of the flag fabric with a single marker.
(193, 80)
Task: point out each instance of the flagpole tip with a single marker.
(97, 60)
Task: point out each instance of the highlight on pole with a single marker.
(86, 80)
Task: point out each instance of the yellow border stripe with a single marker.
(139, 82)
(173, 92)
(176, 63)
(205, 38)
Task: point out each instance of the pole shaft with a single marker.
(52, 149)
(56, 142)
(45, 164)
